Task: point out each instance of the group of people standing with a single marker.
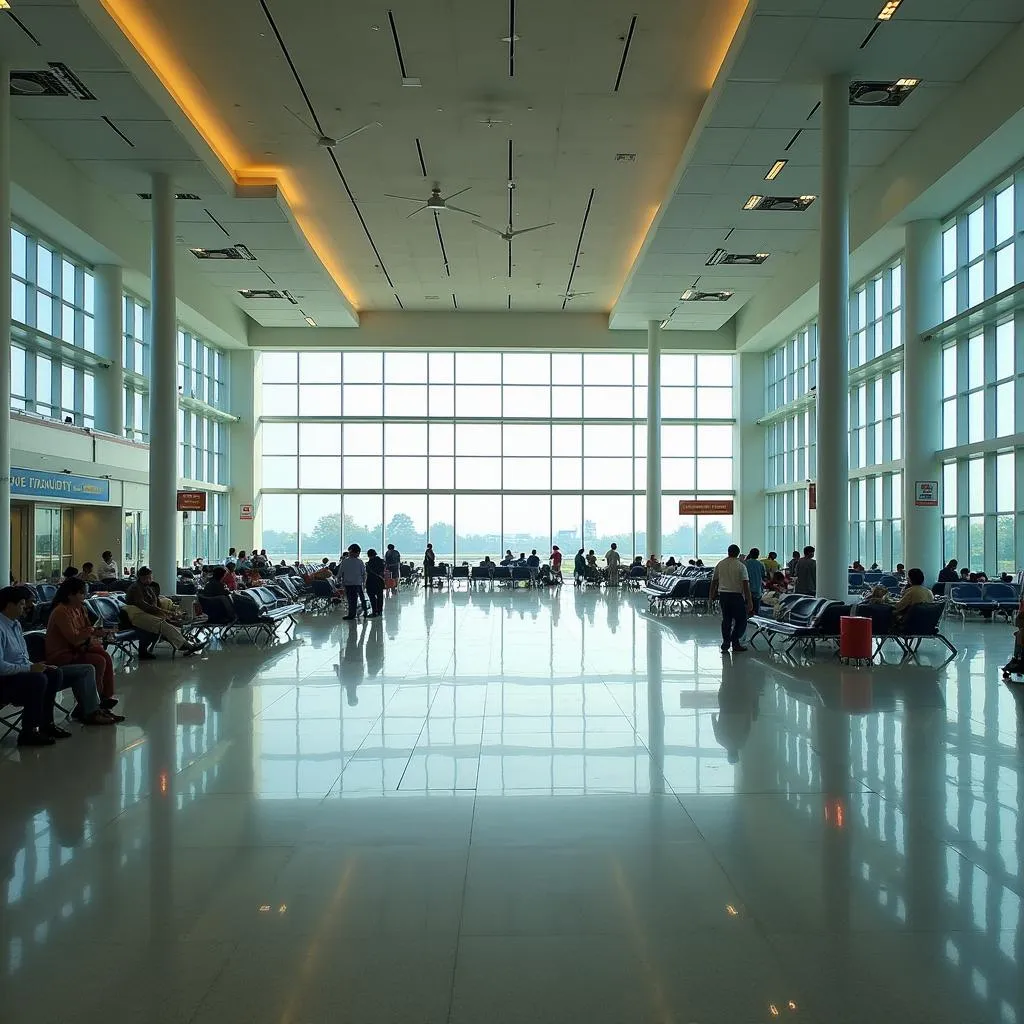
(362, 580)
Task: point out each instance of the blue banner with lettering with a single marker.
(37, 483)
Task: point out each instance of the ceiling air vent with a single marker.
(177, 195)
(780, 204)
(232, 252)
(692, 295)
(722, 258)
(267, 293)
(881, 94)
(55, 80)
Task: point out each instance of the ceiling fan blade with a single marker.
(361, 128)
(536, 227)
(408, 199)
(305, 124)
(414, 212)
(459, 193)
(459, 209)
(487, 227)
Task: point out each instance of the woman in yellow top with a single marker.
(71, 639)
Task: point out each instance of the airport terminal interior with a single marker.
(550, 304)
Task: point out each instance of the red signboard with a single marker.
(706, 508)
(191, 501)
(812, 496)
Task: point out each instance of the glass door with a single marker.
(47, 545)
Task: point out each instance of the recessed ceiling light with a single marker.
(309, 320)
(411, 83)
(716, 257)
(693, 295)
(908, 83)
(752, 203)
(890, 8)
(776, 170)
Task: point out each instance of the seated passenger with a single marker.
(108, 567)
(771, 564)
(791, 564)
(508, 559)
(591, 561)
(534, 560)
(73, 642)
(88, 573)
(915, 593)
(878, 595)
(215, 585)
(230, 580)
(151, 613)
(900, 571)
(652, 564)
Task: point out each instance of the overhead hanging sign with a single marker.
(706, 508)
(36, 483)
(191, 501)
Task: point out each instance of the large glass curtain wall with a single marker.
(135, 352)
(478, 452)
(52, 309)
(983, 383)
(876, 434)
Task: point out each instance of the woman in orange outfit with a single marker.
(71, 639)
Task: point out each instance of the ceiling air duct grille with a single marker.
(231, 252)
(55, 80)
(268, 293)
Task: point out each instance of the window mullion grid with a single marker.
(991, 520)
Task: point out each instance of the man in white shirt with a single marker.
(612, 559)
(731, 585)
(108, 567)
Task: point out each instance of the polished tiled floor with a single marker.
(529, 807)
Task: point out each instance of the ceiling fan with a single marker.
(436, 202)
(326, 141)
(509, 233)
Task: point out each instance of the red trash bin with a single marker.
(855, 638)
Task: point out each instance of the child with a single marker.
(1015, 666)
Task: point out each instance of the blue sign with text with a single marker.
(37, 483)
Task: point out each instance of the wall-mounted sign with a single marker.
(191, 501)
(36, 483)
(706, 508)
(245, 512)
(812, 496)
(926, 493)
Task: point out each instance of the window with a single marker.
(481, 451)
(52, 307)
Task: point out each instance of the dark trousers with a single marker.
(376, 595)
(355, 594)
(734, 617)
(35, 692)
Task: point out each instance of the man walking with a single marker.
(731, 585)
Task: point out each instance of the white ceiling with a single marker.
(767, 94)
(565, 121)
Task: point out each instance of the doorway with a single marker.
(19, 545)
(48, 543)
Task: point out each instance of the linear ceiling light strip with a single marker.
(440, 242)
(419, 154)
(625, 53)
(398, 45)
(221, 226)
(319, 128)
(511, 38)
(579, 245)
(113, 127)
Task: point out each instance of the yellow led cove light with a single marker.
(309, 320)
(908, 83)
(4, 5)
(776, 170)
(891, 7)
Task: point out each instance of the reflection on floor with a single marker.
(528, 807)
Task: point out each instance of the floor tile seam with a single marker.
(412, 753)
(462, 912)
(234, 947)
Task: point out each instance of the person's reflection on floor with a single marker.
(612, 597)
(351, 669)
(69, 813)
(1017, 692)
(375, 650)
(392, 614)
(738, 698)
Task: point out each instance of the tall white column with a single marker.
(163, 393)
(832, 534)
(922, 394)
(750, 466)
(654, 438)
(110, 344)
(5, 322)
(241, 463)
